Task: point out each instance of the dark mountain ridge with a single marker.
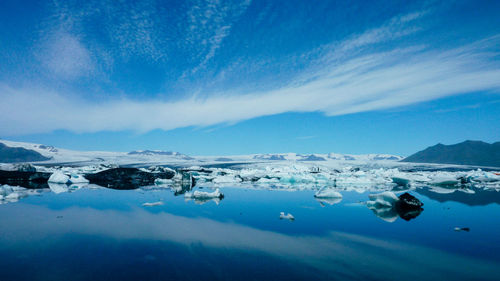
(469, 152)
(18, 154)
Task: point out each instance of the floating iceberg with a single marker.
(59, 177)
(227, 179)
(401, 181)
(384, 199)
(287, 216)
(11, 194)
(387, 206)
(152, 204)
(204, 195)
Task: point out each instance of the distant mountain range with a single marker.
(31, 152)
(475, 153)
(469, 152)
(19, 154)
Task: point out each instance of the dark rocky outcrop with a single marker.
(466, 153)
(408, 206)
(18, 154)
(126, 178)
(27, 179)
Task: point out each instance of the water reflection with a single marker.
(471, 196)
(334, 255)
(328, 201)
(224, 241)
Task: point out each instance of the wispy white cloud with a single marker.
(64, 56)
(209, 23)
(344, 77)
(370, 82)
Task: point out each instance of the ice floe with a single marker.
(11, 194)
(288, 216)
(152, 204)
(388, 207)
(204, 195)
(59, 177)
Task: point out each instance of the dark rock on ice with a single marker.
(408, 206)
(27, 179)
(126, 178)
(25, 167)
(408, 201)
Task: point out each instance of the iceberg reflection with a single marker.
(336, 254)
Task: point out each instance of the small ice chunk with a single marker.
(58, 177)
(400, 181)
(444, 179)
(226, 179)
(204, 195)
(287, 216)
(328, 193)
(383, 205)
(13, 196)
(151, 204)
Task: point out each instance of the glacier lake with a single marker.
(149, 233)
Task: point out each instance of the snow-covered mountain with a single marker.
(327, 157)
(59, 155)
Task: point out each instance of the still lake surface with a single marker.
(105, 234)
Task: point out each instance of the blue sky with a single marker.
(236, 77)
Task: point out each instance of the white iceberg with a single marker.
(401, 181)
(384, 199)
(152, 204)
(58, 177)
(226, 179)
(204, 195)
(382, 205)
(12, 194)
(287, 216)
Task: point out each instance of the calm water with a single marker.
(103, 234)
